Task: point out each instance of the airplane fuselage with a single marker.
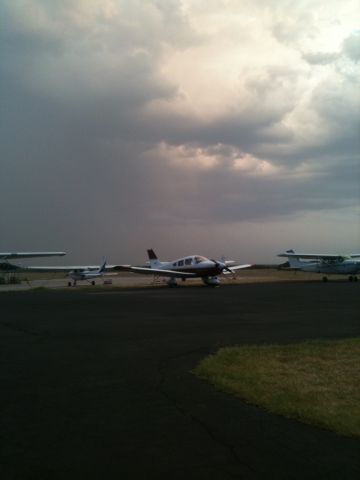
(84, 275)
(346, 267)
(197, 265)
(87, 274)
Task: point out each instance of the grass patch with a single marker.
(314, 382)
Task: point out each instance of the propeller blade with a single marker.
(228, 269)
(223, 266)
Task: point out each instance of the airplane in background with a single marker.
(76, 273)
(328, 264)
(14, 255)
(193, 266)
(87, 274)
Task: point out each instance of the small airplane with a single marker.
(14, 255)
(193, 266)
(76, 273)
(327, 264)
(87, 274)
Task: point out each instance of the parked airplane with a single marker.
(87, 274)
(324, 263)
(14, 255)
(193, 266)
(76, 273)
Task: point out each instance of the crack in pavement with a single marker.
(162, 366)
(16, 328)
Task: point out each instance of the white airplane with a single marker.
(87, 274)
(76, 273)
(324, 263)
(14, 255)
(193, 266)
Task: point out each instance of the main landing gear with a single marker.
(172, 283)
(352, 278)
(74, 284)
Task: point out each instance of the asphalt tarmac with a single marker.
(97, 384)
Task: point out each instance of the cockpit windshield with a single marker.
(199, 259)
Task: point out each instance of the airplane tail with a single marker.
(154, 261)
(103, 266)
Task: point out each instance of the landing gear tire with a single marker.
(93, 282)
(355, 278)
(69, 284)
(324, 279)
(351, 278)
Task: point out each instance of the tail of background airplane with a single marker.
(154, 261)
(103, 266)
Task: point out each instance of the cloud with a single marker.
(121, 118)
(320, 58)
(351, 46)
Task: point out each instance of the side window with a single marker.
(174, 264)
(188, 261)
(181, 263)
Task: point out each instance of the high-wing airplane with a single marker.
(324, 263)
(193, 266)
(75, 272)
(14, 255)
(87, 274)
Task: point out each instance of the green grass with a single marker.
(314, 382)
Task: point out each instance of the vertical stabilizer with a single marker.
(103, 266)
(154, 261)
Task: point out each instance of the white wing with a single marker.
(236, 267)
(314, 255)
(56, 268)
(155, 271)
(12, 255)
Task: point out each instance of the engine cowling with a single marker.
(211, 281)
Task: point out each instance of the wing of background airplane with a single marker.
(155, 271)
(319, 256)
(13, 255)
(55, 269)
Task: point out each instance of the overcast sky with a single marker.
(195, 126)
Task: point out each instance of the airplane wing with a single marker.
(55, 268)
(236, 267)
(329, 256)
(155, 271)
(12, 255)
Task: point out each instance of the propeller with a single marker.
(222, 265)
